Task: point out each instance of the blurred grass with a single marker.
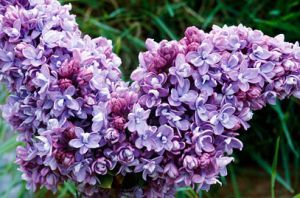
(129, 23)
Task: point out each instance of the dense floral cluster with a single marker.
(176, 125)
(197, 93)
(62, 86)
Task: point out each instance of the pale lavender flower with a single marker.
(138, 119)
(172, 117)
(291, 82)
(101, 166)
(34, 56)
(245, 76)
(205, 83)
(43, 80)
(151, 99)
(7, 59)
(43, 146)
(147, 139)
(190, 162)
(85, 141)
(259, 53)
(99, 119)
(202, 109)
(183, 94)
(232, 143)
(266, 70)
(150, 167)
(81, 171)
(204, 142)
(111, 135)
(65, 100)
(203, 57)
(127, 159)
(155, 82)
(171, 170)
(163, 138)
(225, 118)
(181, 70)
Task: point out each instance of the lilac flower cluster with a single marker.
(62, 85)
(197, 93)
(176, 125)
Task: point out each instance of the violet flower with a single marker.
(65, 100)
(99, 119)
(101, 166)
(147, 139)
(181, 70)
(182, 95)
(33, 56)
(137, 119)
(163, 138)
(85, 141)
(43, 146)
(225, 118)
(150, 167)
(203, 57)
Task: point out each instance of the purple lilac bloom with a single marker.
(176, 125)
(183, 94)
(61, 101)
(147, 139)
(85, 141)
(163, 138)
(101, 166)
(214, 82)
(224, 119)
(51, 71)
(150, 167)
(181, 70)
(203, 57)
(137, 119)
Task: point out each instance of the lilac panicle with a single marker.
(214, 81)
(61, 84)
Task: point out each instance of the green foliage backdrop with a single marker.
(269, 164)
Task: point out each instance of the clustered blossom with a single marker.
(176, 125)
(64, 94)
(200, 92)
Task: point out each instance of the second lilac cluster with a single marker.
(197, 93)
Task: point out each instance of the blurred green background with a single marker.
(269, 164)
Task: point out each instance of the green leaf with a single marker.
(274, 168)
(104, 26)
(68, 187)
(186, 192)
(285, 161)
(268, 169)
(210, 17)
(161, 24)
(296, 171)
(297, 196)
(285, 128)
(234, 182)
(106, 181)
(9, 145)
(170, 9)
